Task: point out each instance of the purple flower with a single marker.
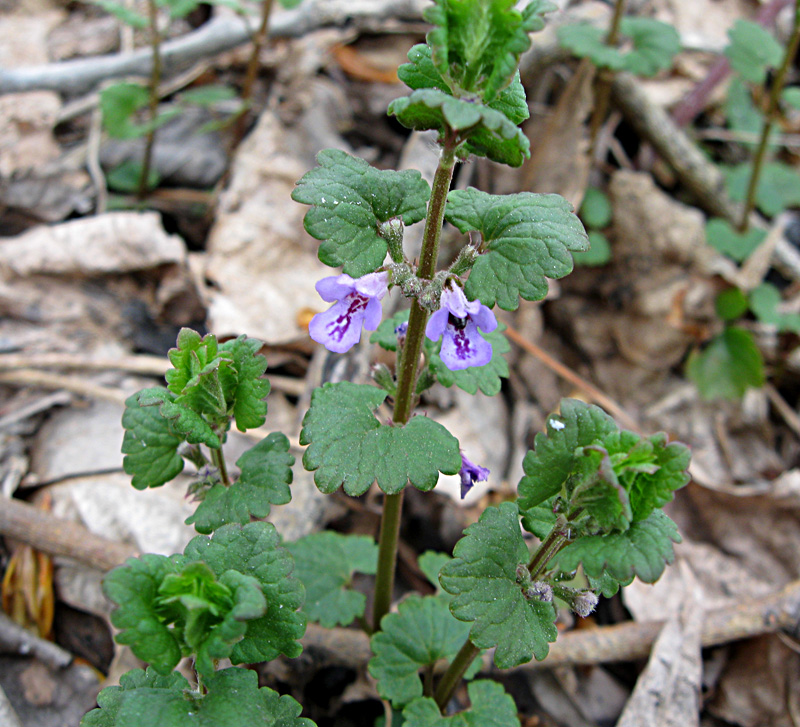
(470, 473)
(458, 320)
(357, 302)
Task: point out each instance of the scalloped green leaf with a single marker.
(419, 634)
(643, 551)
(476, 44)
(528, 237)
(431, 563)
(489, 132)
(254, 550)
(233, 698)
(350, 448)
(730, 364)
(149, 445)
(540, 519)
(325, 563)
(242, 382)
(266, 473)
(752, 51)
(183, 420)
(349, 200)
(486, 378)
(491, 707)
(482, 578)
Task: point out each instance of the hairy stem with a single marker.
(602, 89)
(546, 550)
(218, 458)
(407, 379)
(455, 673)
(155, 80)
(770, 117)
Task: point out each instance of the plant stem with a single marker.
(602, 90)
(407, 378)
(155, 80)
(218, 458)
(546, 550)
(769, 119)
(259, 41)
(455, 673)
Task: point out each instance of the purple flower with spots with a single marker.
(458, 321)
(471, 473)
(357, 301)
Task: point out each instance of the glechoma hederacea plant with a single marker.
(592, 494)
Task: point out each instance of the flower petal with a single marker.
(339, 327)
(335, 287)
(454, 301)
(484, 318)
(373, 285)
(437, 324)
(464, 348)
(373, 314)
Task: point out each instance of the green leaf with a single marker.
(765, 302)
(489, 132)
(325, 563)
(242, 383)
(123, 13)
(477, 45)
(134, 588)
(422, 632)
(486, 378)
(654, 45)
(529, 237)
(349, 200)
(599, 252)
(643, 551)
(118, 103)
(194, 378)
(125, 177)
(491, 707)
(791, 97)
(210, 95)
(540, 519)
(149, 445)
(233, 699)
(178, 8)
(778, 186)
(482, 578)
(182, 420)
(731, 304)
(595, 211)
(266, 475)
(384, 335)
(349, 447)
(729, 365)
(253, 550)
(430, 563)
(722, 236)
(740, 111)
(752, 51)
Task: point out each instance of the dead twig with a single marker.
(576, 380)
(14, 639)
(47, 380)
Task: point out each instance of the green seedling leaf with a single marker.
(654, 45)
(752, 51)
(168, 608)
(595, 211)
(476, 46)
(430, 563)
(491, 707)
(642, 551)
(540, 519)
(482, 578)
(123, 13)
(528, 237)
(243, 387)
(731, 304)
(349, 447)
(488, 132)
(740, 111)
(765, 302)
(778, 186)
(185, 422)
(125, 178)
(118, 103)
(325, 563)
(210, 95)
(613, 476)
(264, 481)
(149, 445)
(791, 97)
(349, 200)
(422, 632)
(599, 252)
(253, 550)
(232, 699)
(729, 365)
(722, 236)
(486, 378)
